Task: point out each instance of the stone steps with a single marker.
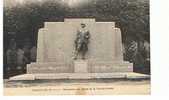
(126, 75)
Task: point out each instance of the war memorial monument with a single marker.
(79, 48)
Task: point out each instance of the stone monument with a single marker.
(55, 52)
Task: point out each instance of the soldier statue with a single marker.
(81, 41)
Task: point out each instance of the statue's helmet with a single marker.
(83, 25)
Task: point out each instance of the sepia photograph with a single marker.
(76, 47)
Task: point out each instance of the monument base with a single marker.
(125, 75)
(79, 69)
(81, 66)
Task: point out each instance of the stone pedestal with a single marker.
(80, 66)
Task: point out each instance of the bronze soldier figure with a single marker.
(81, 42)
